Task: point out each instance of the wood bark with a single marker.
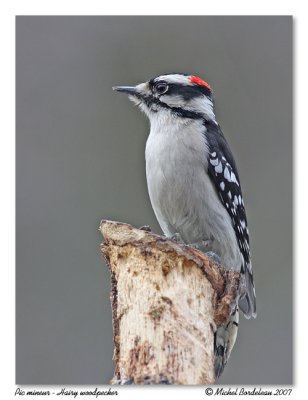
(167, 301)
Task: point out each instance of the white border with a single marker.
(7, 159)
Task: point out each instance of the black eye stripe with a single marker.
(186, 91)
(189, 92)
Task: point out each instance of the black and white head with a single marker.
(173, 95)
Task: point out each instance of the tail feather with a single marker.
(225, 337)
(247, 301)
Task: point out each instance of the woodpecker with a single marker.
(194, 184)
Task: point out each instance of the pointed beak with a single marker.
(132, 90)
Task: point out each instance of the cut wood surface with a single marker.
(167, 301)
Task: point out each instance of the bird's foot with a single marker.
(203, 245)
(177, 238)
(214, 257)
(146, 228)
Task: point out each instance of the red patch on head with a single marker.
(199, 81)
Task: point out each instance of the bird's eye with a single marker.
(161, 88)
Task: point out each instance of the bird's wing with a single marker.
(224, 175)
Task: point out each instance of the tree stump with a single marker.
(167, 301)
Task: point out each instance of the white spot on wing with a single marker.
(227, 174)
(214, 162)
(222, 185)
(243, 223)
(233, 178)
(218, 167)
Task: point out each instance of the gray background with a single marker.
(80, 158)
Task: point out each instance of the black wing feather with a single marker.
(224, 175)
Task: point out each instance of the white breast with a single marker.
(181, 192)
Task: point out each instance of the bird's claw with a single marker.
(214, 257)
(177, 238)
(146, 228)
(203, 245)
